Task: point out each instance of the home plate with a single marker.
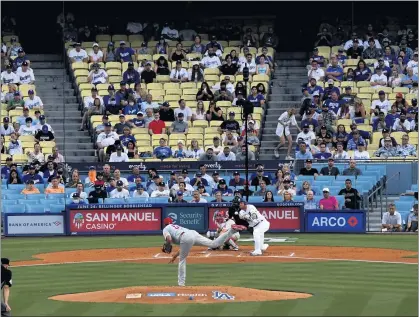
(136, 295)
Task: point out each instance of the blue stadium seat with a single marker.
(407, 198)
(227, 198)
(299, 198)
(10, 191)
(272, 188)
(161, 200)
(341, 201)
(16, 187)
(325, 178)
(55, 196)
(306, 178)
(4, 181)
(30, 208)
(334, 190)
(35, 196)
(187, 198)
(278, 199)
(403, 206)
(28, 201)
(255, 199)
(56, 208)
(322, 184)
(47, 202)
(68, 191)
(137, 200)
(15, 196)
(414, 187)
(115, 201)
(5, 202)
(14, 209)
(368, 173)
(342, 178)
(3, 187)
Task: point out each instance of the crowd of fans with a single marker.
(368, 86)
(183, 88)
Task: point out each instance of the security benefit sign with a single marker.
(191, 217)
(114, 221)
(343, 221)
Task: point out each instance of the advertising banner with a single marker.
(34, 225)
(114, 220)
(191, 216)
(342, 221)
(282, 217)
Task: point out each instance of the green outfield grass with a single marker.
(339, 288)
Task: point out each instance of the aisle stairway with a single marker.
(285, 93)
(61, 107)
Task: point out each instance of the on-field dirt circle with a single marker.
(208, 294)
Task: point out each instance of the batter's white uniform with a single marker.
(284, 122)
(260, 226)
(187, 239)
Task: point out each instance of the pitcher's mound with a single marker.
(180, 295)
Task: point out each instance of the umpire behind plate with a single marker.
(6, 283)
(233, 211)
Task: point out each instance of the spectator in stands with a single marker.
(392, 220)
(75, 179)
(343, 111)
(6, 128)
(77, 54)
(196, 74)
(178, 54)
(149, 103)
(148, 75)
(169, 32)
(324, 136)
(197, 46)
(258, 100)
(199, 113)
(223, 94)
(334, 71)
(236, 180)
(378, 80)
(222, 187)
(324, 38)
(22, 119)
(285, 120)
(56, 156)
(109, 54)
(262, 189)
(402, 124)
(308, 170)
(384, 65)
(181, 152)
(97, 75)
(352, 169)
(80, 192)
(131, 76)
(187, 112)
(362, 71)
(328, 202)
(230, 125)
(119, 191)
(388, 150)
(96, 109)
(216, 145)
(310, 202)
(372, 52)
(316, 57)
(228, 67)
(119, 127)
(15, 102)
(14, 178)
(287, 186)
(212, 60)
(352, 196)
(262, 68)
(97, 194)
(157, 126)
(126, 136)
(412, 219)
(139, 191)
(269, 197)
(29, 189)
(36, 154)
(379, 124)
(409, 79)
(316, 72)
(112, 102)
(269, 39)
(392, 116)
(20, 59)
(214, 113)
(204, 93)
(104, 139)
(15, 146)
(241, 154)
(33, 102)
(166, 113)
(356, 138)
(303, 153)
(124, 53)
(10, 94)
(162, 151)
(5, 169)
(218, 197)
(209, 155)
(161, 191)
(131, 107)
(162, 66)
(28, 128)
(330, 169)
(118, 156)
(380, 105)
(199, 180)
(179, 74)
(385, 134)
(8, 76)
(226, 155)
(305, 188)
(355, 51)
(361, 153)
(230, 139)
(55, 188)
(248, 62)
(406, 149)
(323, 154)
(96, 55)
(197, 199)
(149, 116)
(195, 151)
(89, 100)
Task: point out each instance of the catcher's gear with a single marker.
(167, 248)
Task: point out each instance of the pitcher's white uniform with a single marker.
(186, 239)
(260, 226)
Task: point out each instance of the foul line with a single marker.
(156, 257)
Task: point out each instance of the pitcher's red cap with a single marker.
(167, 221)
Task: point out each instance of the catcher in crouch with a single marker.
(186, 239)
(224, 222)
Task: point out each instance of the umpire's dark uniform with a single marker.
(6, 280)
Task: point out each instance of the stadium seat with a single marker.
(114, 201)
(34, 208)
(56, 208)
(18, 209)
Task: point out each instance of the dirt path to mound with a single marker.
(179, 295)
(201, 255)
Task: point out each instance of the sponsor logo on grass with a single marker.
(135, 295)
(221, 296)
(193, 295)
(161, 294)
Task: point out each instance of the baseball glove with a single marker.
(167, 248)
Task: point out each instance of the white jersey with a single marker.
(251, 215)
(157, 193)
(361, 155)
(25, 77)
(120, 194)
(384, 106)
(24, 130)
(307, 137)
(115, 158)
(174, 231)
(178, 74)
(78, 56)
(36, 102)
(9, 78)
(286, 120)
(99, 77)
(211, 62)
(96, 56)
(88, 101)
